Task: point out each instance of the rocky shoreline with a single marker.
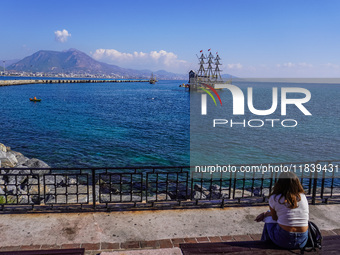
(20, 184)
(11, 159)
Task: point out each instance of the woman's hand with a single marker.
(261, 216)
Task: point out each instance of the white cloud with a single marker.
(289, 64)
(294, 65)
(331, 66)
(234, 66)
(62, 36)
(154, 60)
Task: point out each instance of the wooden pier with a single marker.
(48, 81)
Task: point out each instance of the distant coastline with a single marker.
(290, 80)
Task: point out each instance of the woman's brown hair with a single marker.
(289, 187)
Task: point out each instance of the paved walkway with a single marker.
(162, 229)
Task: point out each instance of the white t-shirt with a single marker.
(297, 217)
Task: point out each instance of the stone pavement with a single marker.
(138, 230)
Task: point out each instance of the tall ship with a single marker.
(209, 73)
(153, 79)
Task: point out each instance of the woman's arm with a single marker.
(273, 213)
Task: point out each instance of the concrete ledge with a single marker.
(143, 229)
(165, 246)
(173, 251)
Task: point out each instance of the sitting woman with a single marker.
(287, 221)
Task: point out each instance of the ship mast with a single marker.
(217, 72)
(208, 74)
(201, 70)
(209, 68)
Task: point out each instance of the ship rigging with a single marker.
(207, 74)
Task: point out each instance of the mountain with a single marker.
(77, 62)
(66, 61)
(164, 75)
(7, 63)
(228, 76)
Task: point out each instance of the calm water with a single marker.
(316, 137)
(98, 124)
(131, 124)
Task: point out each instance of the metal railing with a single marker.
(131, 188)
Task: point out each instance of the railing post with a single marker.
(93, 188)
(315, 183)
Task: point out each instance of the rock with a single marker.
(223, 192)
(50, 199)
(116, 198)
(71, 181)
(215, 188)
(257, 192)
(198, 195)
(238, 193)
(18, 172)
(218, 192)
(21, 159)
(201, 189)
(11, 156)
(8, 159)
(106, 188)
(160, 197)
(34, 189)
(58, 180)
(36, 163)
(24, 199)
(11, 190)
(3, 148)
(140, 186)
(182, 192)
(36, 199)
(4, 162)
(2, 192)
(20, 166)
(15, 176)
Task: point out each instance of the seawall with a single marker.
(26, 82)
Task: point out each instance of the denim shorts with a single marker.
(288, 240)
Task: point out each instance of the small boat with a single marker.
(35, 100)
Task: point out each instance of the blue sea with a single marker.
(98, 124)
(139, 124)
(315, 137)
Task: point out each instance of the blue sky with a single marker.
(255, 38)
